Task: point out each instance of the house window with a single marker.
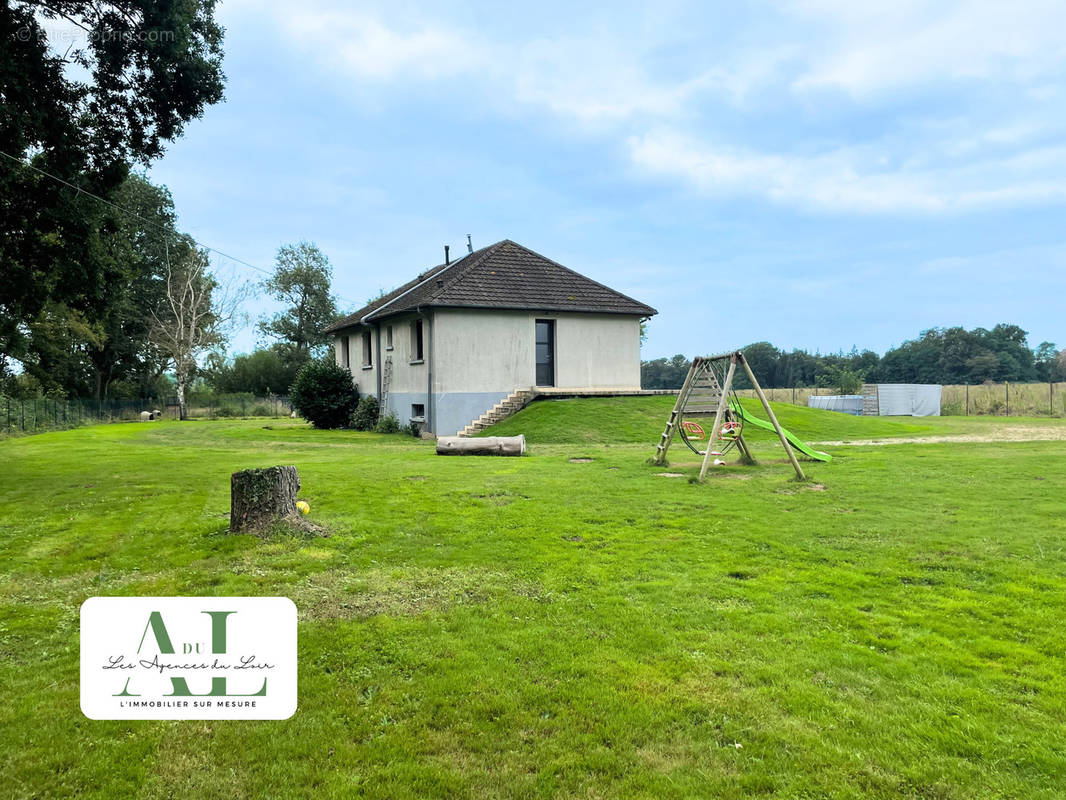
(345, 355)
(388, 337)
(368, 353)
(418, 412)
(416, 340)
(545, 352)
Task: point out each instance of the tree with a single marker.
(764, 360)
(1044, 358)
(840, 378)
(261, 372)
(195, 315)
(301, 280)
(136, 246)
(324, 393)
(141, 71)
(661, 373)
(81, 349)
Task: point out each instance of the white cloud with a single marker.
(361, 45)
(590, 79)
(871, 46)
(853, 179)
(653, 94)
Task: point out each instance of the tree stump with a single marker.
(261, 496)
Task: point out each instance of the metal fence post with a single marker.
(1006, 386)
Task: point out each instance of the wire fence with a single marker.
(986, 399)
(41, 414)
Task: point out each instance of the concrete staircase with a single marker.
(512, 404)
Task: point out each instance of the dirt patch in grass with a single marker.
(294, 526)
(810, 487)
(669, 474)
(500, 498)
(582, 460)
(1006, 433)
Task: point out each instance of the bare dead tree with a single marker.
(197, 315)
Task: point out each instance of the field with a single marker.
(571, 623)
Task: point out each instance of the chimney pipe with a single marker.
(469, 246)
(447, 261)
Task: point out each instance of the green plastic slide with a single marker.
(800, 445)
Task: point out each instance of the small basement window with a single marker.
(418, 412)
(416, 340)
(368, 352)
(388, 337)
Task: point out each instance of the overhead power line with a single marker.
(137, 216)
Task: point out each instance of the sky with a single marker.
(819, 174)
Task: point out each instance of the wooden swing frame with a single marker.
(704, 362)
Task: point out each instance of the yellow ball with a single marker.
(303, 507)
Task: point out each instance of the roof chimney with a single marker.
(447, 260)
(469, 246)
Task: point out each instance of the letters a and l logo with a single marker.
(188, 658)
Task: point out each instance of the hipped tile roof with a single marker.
(504, 275)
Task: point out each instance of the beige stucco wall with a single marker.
(484, 351)
(406, 376)
(365, 379)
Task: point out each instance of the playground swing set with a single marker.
(708, 391)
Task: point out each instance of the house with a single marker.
(489, 331)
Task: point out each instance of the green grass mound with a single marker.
(616, 420)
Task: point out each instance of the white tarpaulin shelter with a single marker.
(901, 399)
(846, 403)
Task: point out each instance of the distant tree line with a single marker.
(938, 355)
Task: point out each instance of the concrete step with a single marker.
(500, 411)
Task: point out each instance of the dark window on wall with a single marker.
(416, 340)
(545, 352)
(368, 352)
(388, 337)
(346, 359)
(418, 411)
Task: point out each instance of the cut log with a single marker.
(486, 446)
(261, 496)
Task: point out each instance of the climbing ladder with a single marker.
(386, 380)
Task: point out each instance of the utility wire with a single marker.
(146, 221)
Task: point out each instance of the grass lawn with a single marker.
(533, 627)
(641, 419)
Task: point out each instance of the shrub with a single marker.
(412, 428)
(365, 416)
(388, 424)
(323, 394)
(261, 410)
(227, 411)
